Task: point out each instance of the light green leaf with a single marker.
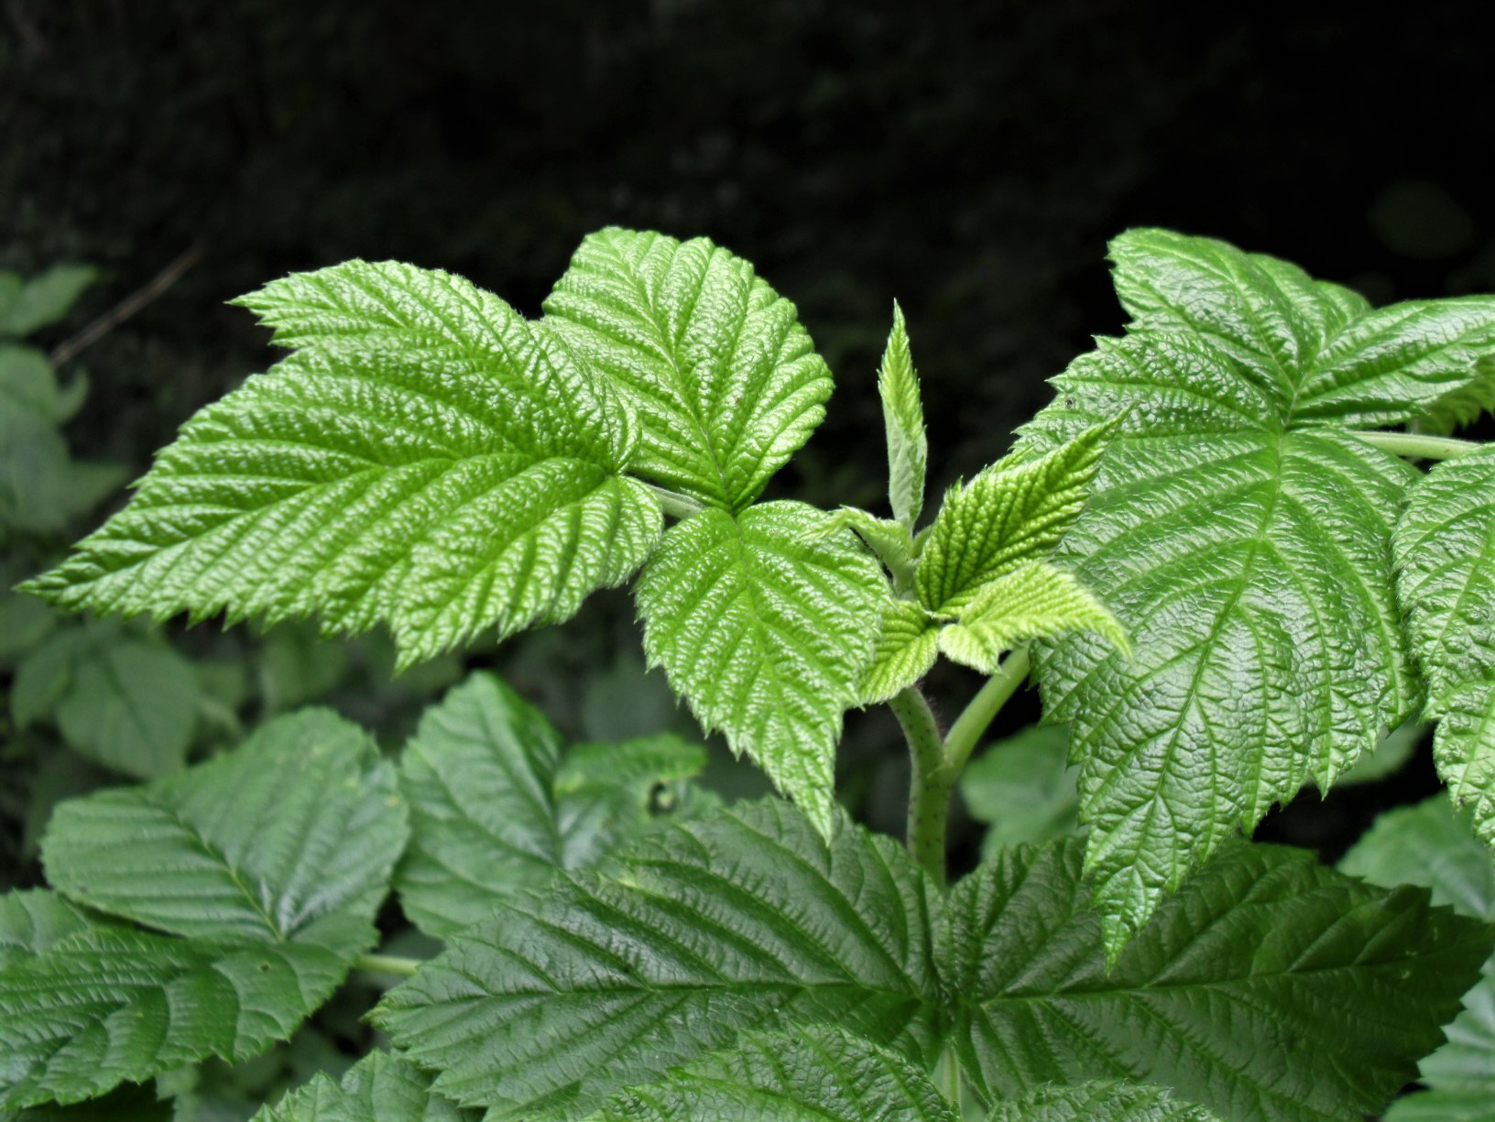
(747, 919)
(1270, 989)
(766, 629)
(1428, 844)
(428, 460)
(130, 705)
(1315, 351)
(1107, 1100)
(1023, 788)
(43, 299)
(890, 541)
(1445, 555)
(1036, 601)
(497, 804)
(907, 645)
(379, 1088)
(1390, 755)
(805, 1074)
(1013, 512)
(292, 837)
(903, 418)
(1463, 405)
(1251, 569)
(106, 1004)
(726, 383)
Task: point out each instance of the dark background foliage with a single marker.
(969, 159)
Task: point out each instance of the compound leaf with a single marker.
(1112, 1100)
(427, 459)
(805, 1074)
(766, 626)
(1251, 568)
(290, 838)
(1270, 989)
(1445, 554)
(1033, 602)
(1430, 845)
(379, 1088)
(746, 919)
(903, 419)
(497, 803)
(725, 381)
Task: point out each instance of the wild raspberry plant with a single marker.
(1207, 549)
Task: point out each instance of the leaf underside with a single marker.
(748, 919)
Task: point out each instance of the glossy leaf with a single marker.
(908, 641)
(725, 381)
(903, 419)
(427, 459)
(379, 1088)
(766, 627)
(747, 919)
(1251, 569)
(1269, 988)
(1445, 554)
(497, 803)
(819, 1074)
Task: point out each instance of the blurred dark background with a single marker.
(970, 160)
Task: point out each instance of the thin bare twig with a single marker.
(69, 348)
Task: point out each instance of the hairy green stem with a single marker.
(930, 784)
(673, 503)
(387, 964)
(972, 724)
(1417, 446)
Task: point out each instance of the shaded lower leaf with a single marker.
(819, 1074)
(745, 919)
(1269, 989)
(379, 1088)
(1023, 788)
(498, 804)
(1108, 1100)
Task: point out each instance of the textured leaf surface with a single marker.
(1251, 569)
(1013, 512)
(819, 1074)
(1036, 601)
(1430, 845)
(1111, 1100)
(107, 1004)
(496, 803)
(907, 644)
(1269, 988)
(1445, 553)
(726, 383)
(379, 1088)
(31, 922)
(766, 628)
(742, 920)
(903, 419)
(290, 838)
(427, 459)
